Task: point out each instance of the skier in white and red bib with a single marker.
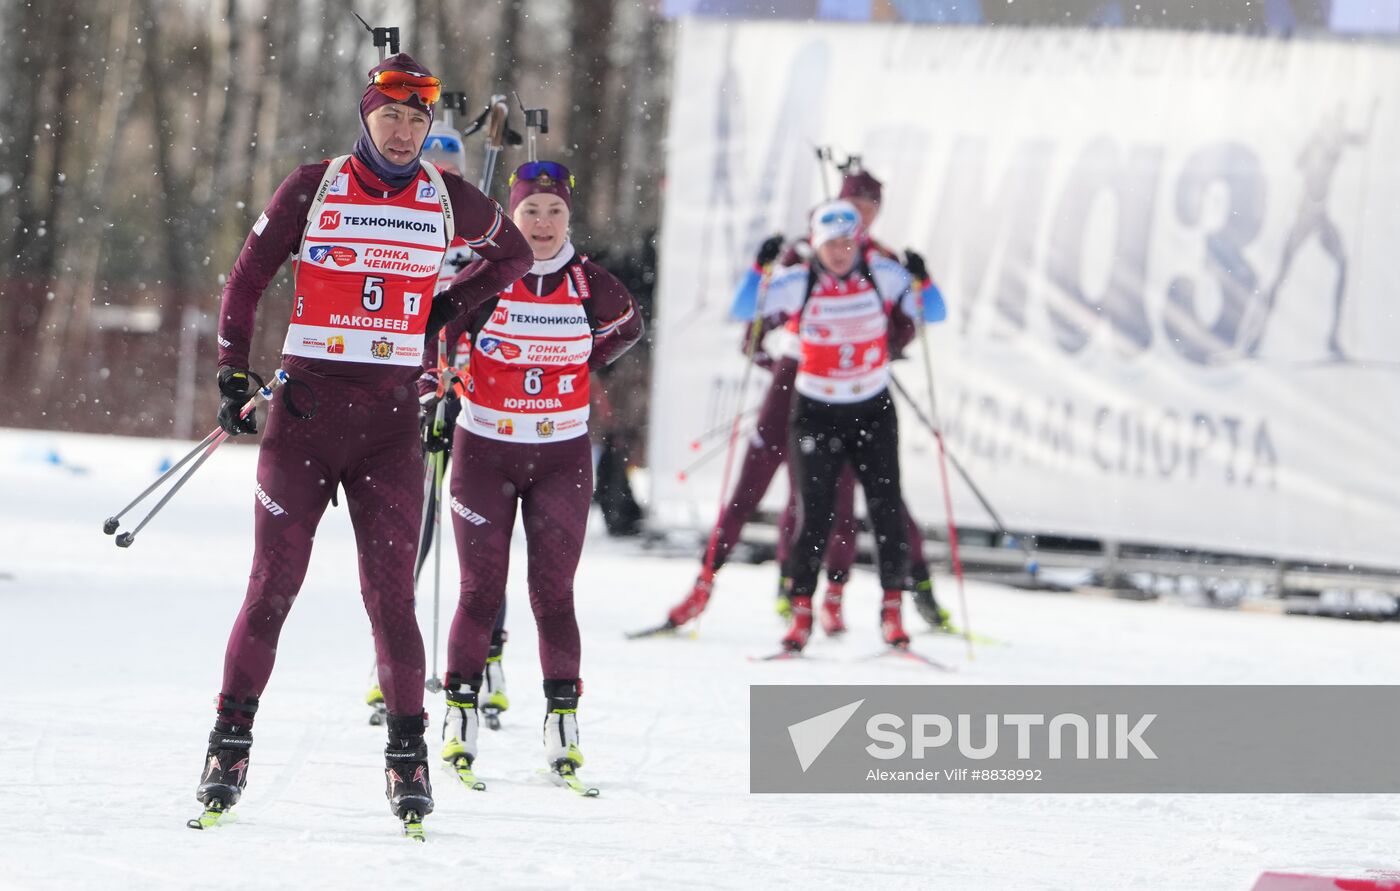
(369, 231)
(851, 308)
(522, 443)
(768, 448)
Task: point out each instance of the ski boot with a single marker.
(406, 782)
(801, 629)
(926, 604)
(561, 734)
(832, 622)
(496, 700)
(459, 731)
(694, 603)
(226, 761)
(891, 622)
(375, 700)
(784, 604)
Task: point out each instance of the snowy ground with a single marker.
(110, 659)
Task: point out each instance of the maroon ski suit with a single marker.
(552, 484)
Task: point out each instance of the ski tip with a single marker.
(469, 780)
(665, 628)
(780, 656)
(467, 777)
(567, 778)
(915, 656)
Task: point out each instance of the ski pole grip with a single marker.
(264, 391)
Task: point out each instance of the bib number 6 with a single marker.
(534, 382)
(373, 295)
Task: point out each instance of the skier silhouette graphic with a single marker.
(1317, 162)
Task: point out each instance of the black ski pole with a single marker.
(386, 40)
(536, 122)
(209, 444)
(1033, 563)
(453, 104)
(824, 157)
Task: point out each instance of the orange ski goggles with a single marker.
(400, 85)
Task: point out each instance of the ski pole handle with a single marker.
(279, 377)
(495, 139)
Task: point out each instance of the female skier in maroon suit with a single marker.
(522, 442)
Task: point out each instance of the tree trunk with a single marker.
(43, 254)
(23, 305)
(589, 33)
(507, 70)
(173, 189)
(68, 316)
(643, 133)
(225, 40)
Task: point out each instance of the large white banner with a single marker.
(1171, 264)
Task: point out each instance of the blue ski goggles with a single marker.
(838, 217)
(442, 142)
(533, 170)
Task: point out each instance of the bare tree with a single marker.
(172, 187)
(68, 316)
(505, 48)
(225, 42)
(590, 36)
(22, 201)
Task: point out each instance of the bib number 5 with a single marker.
(373, 295)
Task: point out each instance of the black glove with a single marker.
(769, 250)
(236, 387)
(439, 314)
(433, 439)
(915, 264)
